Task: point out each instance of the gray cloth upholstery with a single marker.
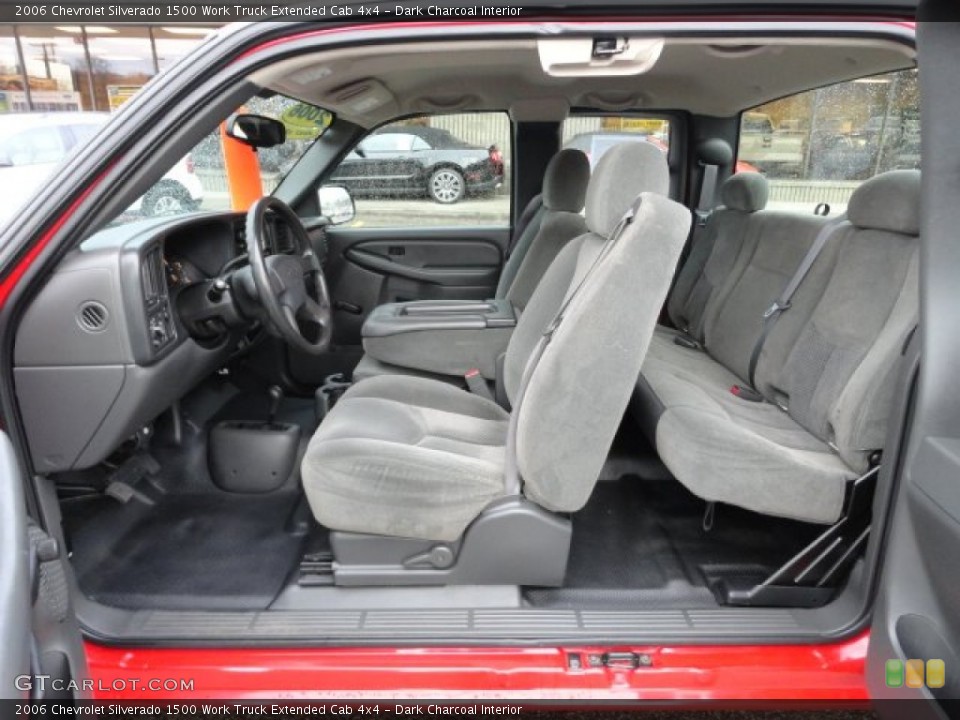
(565, 181)
(827, 370)
(417, 458)
(719, 252)
(442, 351)
(369, 367)
(520, 248)
(556, 230)
(407, 457)
(575, 401)
(746, 191)
(556, 223)
(615, 179)
(888, 202)
(733, 325)
(753, 455)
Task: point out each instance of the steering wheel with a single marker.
(291, 288)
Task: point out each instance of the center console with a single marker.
(447, 337)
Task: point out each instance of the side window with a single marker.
(595, 134)
(819, 146)
(431, 170)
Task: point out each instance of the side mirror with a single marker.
(256, 131)
(336, 204)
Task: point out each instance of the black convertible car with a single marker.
(417, 161)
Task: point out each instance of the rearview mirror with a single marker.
(256, 131)
(336, 204)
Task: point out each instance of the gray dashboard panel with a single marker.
(62, 409)
(83, 392)
(51, 331)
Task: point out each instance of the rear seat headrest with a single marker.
(747, 192)
(890, 201)
(565, 181)
(715, 152)
(624, 171)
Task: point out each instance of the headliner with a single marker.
(708, 76)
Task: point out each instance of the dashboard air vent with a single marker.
(92, 316)
(154, 281)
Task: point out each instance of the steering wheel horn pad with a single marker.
(284, 282)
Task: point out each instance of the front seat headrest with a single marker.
(624, 171)
(565, 181)
(747, 192)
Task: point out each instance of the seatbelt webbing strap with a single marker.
(513, 482)
(708, 188)
(782, 303)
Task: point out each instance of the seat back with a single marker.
(554, 225)
(718, 248)
(776, 244)
(575, 395)
(835, 373)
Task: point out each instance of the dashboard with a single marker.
(104, 348)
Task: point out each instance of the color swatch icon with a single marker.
(936, 674)
(916, 674)
(894, 673)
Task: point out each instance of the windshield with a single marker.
(199, 180)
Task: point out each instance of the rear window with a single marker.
(595, 134)
(819, 146)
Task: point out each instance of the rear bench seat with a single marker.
(827, 369)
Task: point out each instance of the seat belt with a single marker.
(514, 484)
(782, 303)
(477, 385)
(701, 217)
(708, 188)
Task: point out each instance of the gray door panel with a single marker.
(917, 613)
(14, 576)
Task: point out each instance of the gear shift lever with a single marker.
(276, 397)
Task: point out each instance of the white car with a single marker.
(33, 144)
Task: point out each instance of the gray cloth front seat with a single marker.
(417, 458)
(554, 221)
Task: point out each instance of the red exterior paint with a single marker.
(20, 269)
(828, 673)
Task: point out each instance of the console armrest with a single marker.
(442, 336)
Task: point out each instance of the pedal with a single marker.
(121, 485)
(316, 569)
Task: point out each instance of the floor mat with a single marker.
(641, 543)
(193, 551)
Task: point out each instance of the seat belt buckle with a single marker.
(745, 393)
(476, 384)
(685, 341)
(775, 308)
